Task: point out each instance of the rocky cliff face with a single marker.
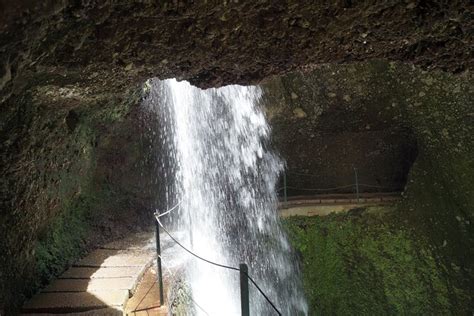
(335, 121)
(427, 113)
(72, 178)
(70, 74)
(111, 45)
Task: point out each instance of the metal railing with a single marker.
(356, 185)
(243, 268)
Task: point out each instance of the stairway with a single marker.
(100, 283)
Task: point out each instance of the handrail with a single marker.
(185, 292)
(356, 185)
(333, 188)
(242, 272)
(170, 210)
(157, 217)
(315, 189)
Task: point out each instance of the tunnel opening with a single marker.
(347, 166)
(345, 144)
(341, 140)
(339, 133)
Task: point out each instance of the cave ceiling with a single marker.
(114, 45)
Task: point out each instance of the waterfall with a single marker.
(216, 163)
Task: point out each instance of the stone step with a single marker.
(115, 258)
(146, 300)
(135, 242)
(99, 284)
(90, 285)
(109, 311)
(76, 302)
(94, 273)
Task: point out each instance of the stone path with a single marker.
(117, 279)
(145, 301)
(99, 284)
(336, 203)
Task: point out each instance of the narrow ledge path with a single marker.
(119, 278)
(100, 283)
(325, 204)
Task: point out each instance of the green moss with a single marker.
(367, 266)
(432, 227)
(62, 239)
(63, 199)
(63, 242)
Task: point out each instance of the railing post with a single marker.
(285, 195)
(357, 184)
(158, 260)
(244, 290)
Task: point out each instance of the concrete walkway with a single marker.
(99, 284)
(146, 300)
(117, 279)
(322, 205)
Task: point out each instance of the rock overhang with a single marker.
(120, 44)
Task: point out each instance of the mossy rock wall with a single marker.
(439, 199)
(72, 174)
(331, 121)
(71, 164)
(430, 114)
(368, 265)
(431, 226)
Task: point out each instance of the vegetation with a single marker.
(366, 264)
(63, 242)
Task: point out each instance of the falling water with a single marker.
(224, 176)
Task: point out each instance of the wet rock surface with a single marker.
(113, 45)
(334, 122)
(434, 110)
(70, 150)
(69, 182)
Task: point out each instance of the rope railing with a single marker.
(170, 210)
(333, 188)
(373, 186)
(241, 271)
(302, 174)
(243, 268)
(327, 189)
(173, 276)
(356, 185)
(316, 189)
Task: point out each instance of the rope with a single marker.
(335, 188)
(303, 174)
(219, 265)
(373, 186)
(326, 189)
(157, 216)
(168, 211)
(186, 293)
(316, 176)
